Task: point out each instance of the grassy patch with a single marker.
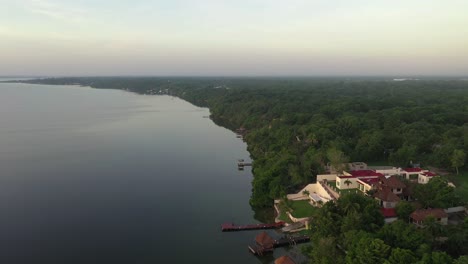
(332, 184)
(283, 216)
(344, 191)
(461, 183)
(302, 209)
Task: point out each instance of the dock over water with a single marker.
(230, 227)
(260, 248)
(241, 164)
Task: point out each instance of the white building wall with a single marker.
(328, 177)
(390, 172)
(311, 188)
(340, 183)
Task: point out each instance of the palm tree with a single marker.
(351, 207)
(348, 182)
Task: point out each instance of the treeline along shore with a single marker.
(291, 123)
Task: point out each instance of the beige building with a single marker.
(418, 175)
(425, 177)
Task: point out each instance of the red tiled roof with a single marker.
(264, 239)
(369, 181)
(429, 174)
(393, 182)
(388, 212)
(284, 260)
(386, 195)
(412, 169)
(422, 214)
(361, 173)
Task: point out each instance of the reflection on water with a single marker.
(105, 176)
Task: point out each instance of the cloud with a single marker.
(56, 11)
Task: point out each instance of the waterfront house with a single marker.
(265, 241)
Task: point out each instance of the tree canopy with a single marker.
(295, 126)
(293, 123)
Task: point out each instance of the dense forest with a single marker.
(292, 123)
(352, 231)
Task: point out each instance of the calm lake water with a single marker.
(107, 176)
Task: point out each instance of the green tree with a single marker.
(436, 257)
(359, 212)
(351, 238)
(326, 221)
(404, 209)
(403, 235)
(368, 250)
(401, 256)
(325, 251)
(461, 260)
(457, 243)
(436, 194)
(403, 155)
(338, 159)
(458, 159)
(434, 227)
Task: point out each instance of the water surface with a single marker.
(107, 176)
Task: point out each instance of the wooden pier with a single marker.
(262, 248)
(230, 227)
(241, 132)
(241, 164)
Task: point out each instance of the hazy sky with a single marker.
(239, 37)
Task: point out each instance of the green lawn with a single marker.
(461, 182)
(283, 216)
(302, 209)
(345, 191)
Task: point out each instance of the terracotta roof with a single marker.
(422, 214)
(284, 260)
(264, 239)
(386, 194)
(412, 169)
(393, 182)
(369, 181)
(388, 212)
